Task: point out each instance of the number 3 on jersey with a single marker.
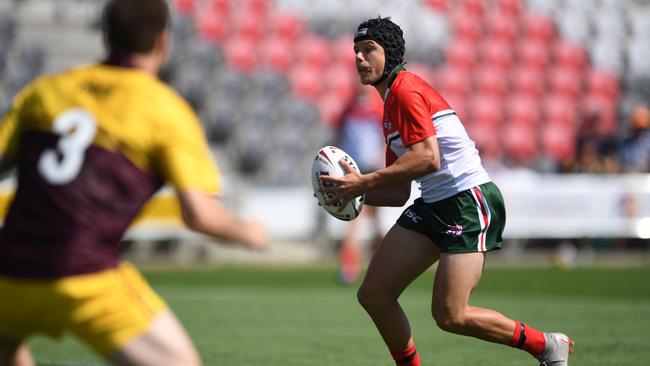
(77, 129)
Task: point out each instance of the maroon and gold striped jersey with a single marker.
(91, 146)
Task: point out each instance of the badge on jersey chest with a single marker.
(387, 124)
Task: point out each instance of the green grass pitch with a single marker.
(302, 317)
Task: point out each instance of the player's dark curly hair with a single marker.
(390, 36)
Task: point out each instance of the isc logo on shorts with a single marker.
(413, 216)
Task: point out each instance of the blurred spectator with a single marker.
(595, 152)
(360, 135)
(635, 149)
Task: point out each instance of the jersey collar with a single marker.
(391, 78)
(119, 61)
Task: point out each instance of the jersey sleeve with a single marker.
(414, 118)
(184, 157)
(390, 156)
(10, 127)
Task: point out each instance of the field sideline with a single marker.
(298, 317)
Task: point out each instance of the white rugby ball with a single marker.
(327, 163)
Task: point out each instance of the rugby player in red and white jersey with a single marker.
(91, 145)
(459, 217)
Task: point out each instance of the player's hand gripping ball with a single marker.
(327, 163)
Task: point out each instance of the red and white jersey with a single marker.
(414, 111)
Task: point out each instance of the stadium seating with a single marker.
(532, 53)
(520, 144)
(529, 81)
(523, 110)
(506, 66)
(461, 54)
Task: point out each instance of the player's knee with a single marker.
(449, 320)
(370, 299)
(365, 297)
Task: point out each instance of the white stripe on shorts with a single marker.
(484, 217)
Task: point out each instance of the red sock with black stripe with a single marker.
(408, 357)
(528, 338)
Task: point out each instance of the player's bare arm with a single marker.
(421, 159)
(205, 214)
(389, 197)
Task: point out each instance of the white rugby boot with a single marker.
(557, 350)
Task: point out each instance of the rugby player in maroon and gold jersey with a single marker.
(458, 218)
(91, 145)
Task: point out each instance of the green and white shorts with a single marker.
(470, 221)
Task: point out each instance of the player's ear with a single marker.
(161, 47)
(163, 41)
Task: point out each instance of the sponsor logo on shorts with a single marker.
(454, 230)
(413, 216)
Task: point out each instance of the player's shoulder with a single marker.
(171, 107)
(408, 84)
(29, 93)
(145, 88)
(167, 97)
(171, 103)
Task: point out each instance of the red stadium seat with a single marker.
(340, 80)
(503, 27)
(523, 110)
(519, 143)
(603, 83)
(565, 83)
(558, 143)
(473, 8)
(458, 104)
(258, 7)
(247, 24)
(527, 81)
(219, 7)
(491, 81)
(286, 25)
(276, 54)
(241, 54)
(305, 81)
(531, 53)
(211, 27)
(185, 7)
(461, 54)
(330, 106)
(453, 80)
(467, 27)
(560, 111)
(496, 54)
(571, 55)
(539, 28)
(342, 50)
(424, 71)
(486, 110)
(439, 5)
(312, 49)
(486, 139)
(513, 8)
